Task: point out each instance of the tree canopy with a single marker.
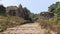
(55, 8)
(2, 10)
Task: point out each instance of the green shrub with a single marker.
(59, 22)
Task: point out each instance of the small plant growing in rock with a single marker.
(48, 32)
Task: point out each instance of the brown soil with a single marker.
(31, 28)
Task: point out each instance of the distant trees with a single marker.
(2, 10)
(30, 16)
(34, 16)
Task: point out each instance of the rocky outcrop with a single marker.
(11, 10)
(47, 14)
(16, 11)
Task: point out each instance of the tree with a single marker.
(27, 14)
(2, 10)
(34, 16)
(55, 8)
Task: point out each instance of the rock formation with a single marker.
(47, 14)
(16, 11)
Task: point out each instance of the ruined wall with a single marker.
(47, 14)
(15, 11)
(11, 10)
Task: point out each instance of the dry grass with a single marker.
(10, 21)
(48, 23)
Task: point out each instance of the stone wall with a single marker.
(16, 11)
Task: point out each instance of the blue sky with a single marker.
(35, 6)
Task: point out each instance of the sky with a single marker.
(35, 6)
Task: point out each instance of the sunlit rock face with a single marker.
(15, 11)
(12, 10)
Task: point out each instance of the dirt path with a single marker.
(31, 28)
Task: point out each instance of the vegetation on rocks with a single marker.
(51, 19)
(10, 21)
(12, 16)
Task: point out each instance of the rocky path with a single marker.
(31, 28)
